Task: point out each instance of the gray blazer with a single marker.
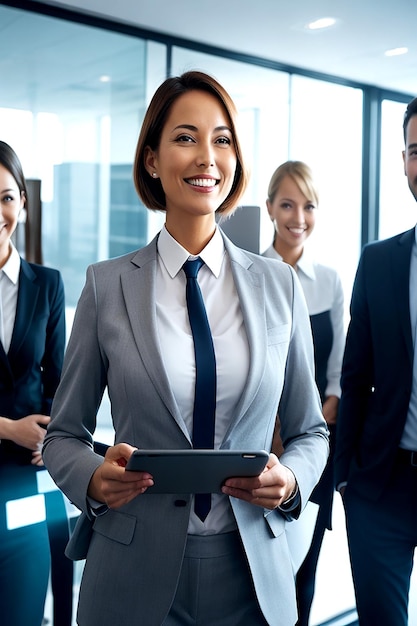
(135, 552)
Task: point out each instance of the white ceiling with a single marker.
(274, 29)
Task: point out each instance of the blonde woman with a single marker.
(292, 204)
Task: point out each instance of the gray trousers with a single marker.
(215, 585)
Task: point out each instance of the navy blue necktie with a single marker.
(205, 375)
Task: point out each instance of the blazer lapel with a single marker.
(4, 363)
(138, 288)
(401, 279)
(251, 291)
(26, 305)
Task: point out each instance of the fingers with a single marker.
(37, 458)
(43, 419)
(274, 475)
(28, 433)
(265, 501)
(267, 490)
(120, 493)
(121, 489)
(112, 484)
(266, 497)
(119, 454)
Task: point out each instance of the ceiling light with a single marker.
(394, 52)
(105, 78)
(323, 22)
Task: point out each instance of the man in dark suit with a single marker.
(376, 451)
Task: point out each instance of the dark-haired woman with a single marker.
(152, 559)
(32, 342)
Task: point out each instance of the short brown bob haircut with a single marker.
(149, 189)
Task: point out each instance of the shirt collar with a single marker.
(305, 263)
(12, 266)
(174, 256)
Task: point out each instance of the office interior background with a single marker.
(77, 77)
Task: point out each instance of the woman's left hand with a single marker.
(268, 490)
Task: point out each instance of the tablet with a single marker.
(195, 471)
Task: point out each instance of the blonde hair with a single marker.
(302, 176)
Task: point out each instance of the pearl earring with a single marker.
(154, 174)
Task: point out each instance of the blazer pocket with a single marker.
(279, 334)
(117, 526)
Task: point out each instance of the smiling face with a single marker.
(11, 202)
(195, 160)
(294, 217)
(410, 155)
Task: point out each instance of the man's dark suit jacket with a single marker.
(377, 368)
(30, 372)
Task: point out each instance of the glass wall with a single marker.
(326, 133)
(72, 110)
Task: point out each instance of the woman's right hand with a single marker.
(26, 432)
(112, 484)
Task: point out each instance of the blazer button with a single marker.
(180, 502)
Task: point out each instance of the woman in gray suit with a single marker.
(153, 559)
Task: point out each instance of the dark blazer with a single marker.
(377, 368)
(30, 372)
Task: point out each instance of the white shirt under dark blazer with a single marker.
(9, 289)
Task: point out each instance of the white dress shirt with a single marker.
(9, 288)
(229, 339)
(323, 292)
